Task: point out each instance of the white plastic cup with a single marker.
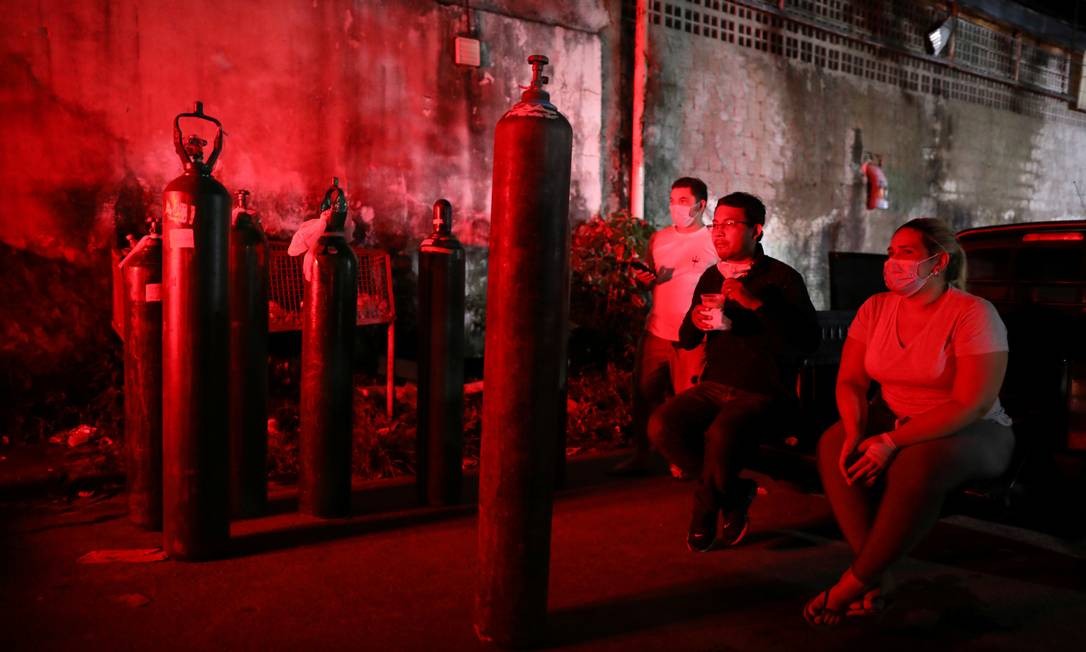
(712, 306)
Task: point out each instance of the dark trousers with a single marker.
(662, 368)
(710, 431)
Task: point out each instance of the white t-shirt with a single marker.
(919, 376)
(678, 259)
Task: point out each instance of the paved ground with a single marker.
(400, 578)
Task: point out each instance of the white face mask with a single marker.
(903, 276)
(684, 216)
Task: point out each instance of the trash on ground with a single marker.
(129, 555)
(76, 436)
(133, 600)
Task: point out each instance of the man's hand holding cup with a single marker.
(709, 316)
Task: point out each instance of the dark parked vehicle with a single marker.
(1035, 275)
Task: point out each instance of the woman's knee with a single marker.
(830, 443)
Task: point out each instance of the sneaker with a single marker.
(737, 519)
(703, 518)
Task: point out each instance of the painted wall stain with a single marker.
(794, 134)
(366, 91)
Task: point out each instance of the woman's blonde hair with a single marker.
(938, 237)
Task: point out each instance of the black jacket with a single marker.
(761, 351)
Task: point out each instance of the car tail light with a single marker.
(1053, 237)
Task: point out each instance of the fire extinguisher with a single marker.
(328, 325)
(141, 274)
(248, 361)
(877, 187)
(440, 435)
(195, 334)
(525, 364)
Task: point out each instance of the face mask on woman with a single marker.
(684, 216)
(902, 277)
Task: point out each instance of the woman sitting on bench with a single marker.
(939, 355)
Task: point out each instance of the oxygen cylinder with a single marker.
(525, 364)
(440, 434)
(141, 278)
(328, 325)
(195, 334)
(248, 362)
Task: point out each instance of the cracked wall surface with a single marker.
(364, 90)
(794, 134)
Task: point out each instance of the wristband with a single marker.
(882, 448)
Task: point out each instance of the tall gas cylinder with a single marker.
(328, 326)
(248, 361)
(195, 336)
(525, 361)
(440, 433)
(141, 280)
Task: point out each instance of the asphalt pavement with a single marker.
(79, 576)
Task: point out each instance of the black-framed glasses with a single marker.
(729, 223)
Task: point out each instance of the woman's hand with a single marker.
(847, 449)
(876, 454)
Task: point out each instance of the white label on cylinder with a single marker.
(152, 292)
(181, 238)
(178, 212)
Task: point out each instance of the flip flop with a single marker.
(870, 607)
(817, 617)
(874, 603)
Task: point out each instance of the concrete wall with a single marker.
(793, 133)
(365, 90)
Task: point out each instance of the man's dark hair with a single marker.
(753, 208)
(697, 187)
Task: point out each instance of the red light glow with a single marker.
(1052, 237)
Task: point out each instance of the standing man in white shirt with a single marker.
(677, 256)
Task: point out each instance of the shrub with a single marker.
(607, 306)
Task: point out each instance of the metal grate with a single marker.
(1044, 68)
(899, 22)
(287, 288)
(984, 50)
(883, 41)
